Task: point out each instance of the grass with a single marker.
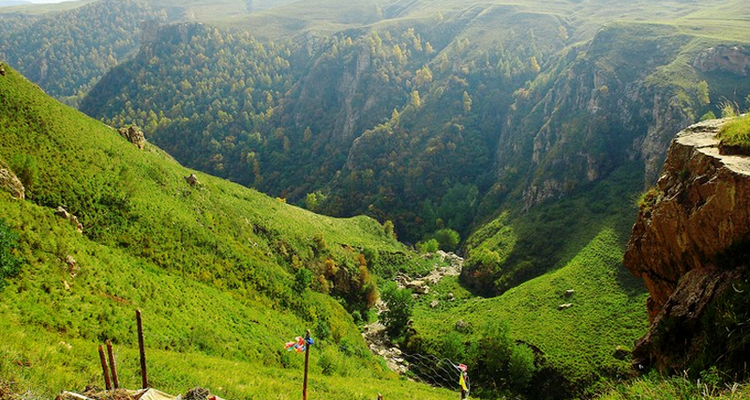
(735, 135)
(676, 387)
(211, 267)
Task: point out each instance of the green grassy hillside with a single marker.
(574, 347)
(223, 274)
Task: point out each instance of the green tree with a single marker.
(447, 239)
(389, 229)
(400, 304)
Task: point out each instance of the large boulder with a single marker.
(134, 135)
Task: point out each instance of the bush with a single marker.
(302, 280)
(9, 263)
(428, 246)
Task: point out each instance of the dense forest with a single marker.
(67, 53)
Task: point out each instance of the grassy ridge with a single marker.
(211, 266)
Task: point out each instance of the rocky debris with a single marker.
(134, 135)
(421, 286)
(2, 69)
(64, 214)
(733, 59)
(379, 344)
(192, 180)
(700, 210)
(564, 306)
(197, 393)
(10, 183)
(375, 333)
(418, 287)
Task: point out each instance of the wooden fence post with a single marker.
(144, 375)
(112, 366)
(103, 360)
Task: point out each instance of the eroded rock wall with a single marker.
(699, 210)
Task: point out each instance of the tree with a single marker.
(400, 304)
(448, 239)
(534, 65)
(388, 229)
(416, 101)
(467, 102)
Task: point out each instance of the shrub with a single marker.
(302, 280)
(9, 263)
(428, 246)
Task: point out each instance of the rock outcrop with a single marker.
(698, 213)
(64, 214)
(732, 59)
(10, 183)
(134, 135)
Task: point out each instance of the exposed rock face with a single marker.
(732, 59)
(10, 183)
(700, 210)
(602, 103)
(64, 214)
(134, 135)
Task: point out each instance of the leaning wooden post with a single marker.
(308, 344)
(103, 360)
(144, 375)
(112, 366)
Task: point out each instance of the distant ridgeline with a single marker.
(433, 117)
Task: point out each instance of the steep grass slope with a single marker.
(215, 268)
(575, 346)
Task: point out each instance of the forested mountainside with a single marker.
(68, 52)
(440, 120)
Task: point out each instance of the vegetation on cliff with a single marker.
(734, 136)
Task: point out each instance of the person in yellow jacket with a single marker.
(463, 381)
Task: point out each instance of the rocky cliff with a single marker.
(689, 245)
